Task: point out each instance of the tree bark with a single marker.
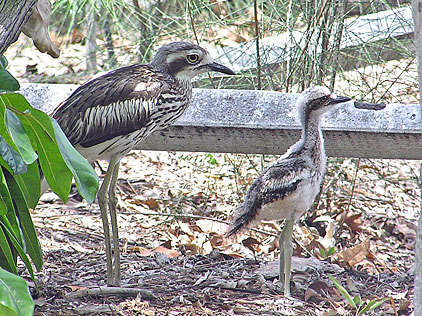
(13, 16)
(417, 20)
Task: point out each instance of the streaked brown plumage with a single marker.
(288, 187)
(108, 116)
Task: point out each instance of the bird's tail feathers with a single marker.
(245, 214)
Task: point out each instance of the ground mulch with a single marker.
(173, 212)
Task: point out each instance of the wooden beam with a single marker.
(250, 121)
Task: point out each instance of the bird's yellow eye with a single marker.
(192, 58)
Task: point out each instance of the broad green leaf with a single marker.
(85, 177)
(8, 261)
(5, 199)
(4, 132)
(54, 168)
(4, 310)
(31, 242)
(20, 137)
(3, 62)
(343, 292)
(7, 81)
(374, 304)
(12, 158)
(15, 295)
(10, 219)
(30, 184)
(19, 249)
(3, 207)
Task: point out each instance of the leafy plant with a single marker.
(356, 302)
(30, 139)
(15, 298)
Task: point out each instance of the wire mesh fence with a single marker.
(363, 48)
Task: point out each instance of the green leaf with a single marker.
(20, 137)
(3, 62)
(358, 301)
(8, 259)
(30, 184)
(15, 136)
(30, 238)
(12, 158)
(4, 132)
(211, 159)
(10, 217)
(54, 168)
(18, 248)
(374, 304)
(7, 81)
(5, 310)
(15, 295)
(5, 199)
(343, 292)
(331, 251)
(85, 177)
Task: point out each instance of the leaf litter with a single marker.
(174, 210)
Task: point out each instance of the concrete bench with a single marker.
(264, 122)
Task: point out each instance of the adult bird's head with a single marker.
(314, 102)
(184, 61)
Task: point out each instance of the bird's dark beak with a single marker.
(220, 68)
(369, 106)
(340, 99)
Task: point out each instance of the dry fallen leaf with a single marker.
(171, 253)
(251, 243)
(151, 203)
(190, 249)
(209, 226)
(354, 254)
(318, 291)
(354, 222)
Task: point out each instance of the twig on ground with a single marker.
(104, 290)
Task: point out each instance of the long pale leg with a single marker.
(102, 201)
(286, 252)
(115, 228)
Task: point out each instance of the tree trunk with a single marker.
(13, 16)
(417, 20)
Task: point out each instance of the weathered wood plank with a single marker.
(248, 121)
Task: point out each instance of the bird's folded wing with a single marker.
(282, 178)
(117, 103)
(275, 182)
